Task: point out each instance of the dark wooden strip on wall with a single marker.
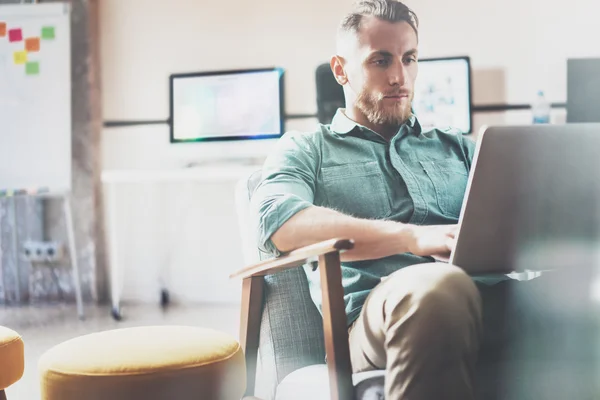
(475, 109)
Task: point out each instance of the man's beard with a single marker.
(377, 113)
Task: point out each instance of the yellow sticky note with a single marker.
(20, 57)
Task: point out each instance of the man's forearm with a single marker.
(372, 238)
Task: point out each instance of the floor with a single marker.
(44, 327)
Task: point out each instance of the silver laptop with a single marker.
(532, 201)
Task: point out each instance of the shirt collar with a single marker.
(342, 125)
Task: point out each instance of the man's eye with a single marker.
(380, 62)
(410, 60)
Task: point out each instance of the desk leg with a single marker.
(115, 277)
(15, 247)
(73, 253)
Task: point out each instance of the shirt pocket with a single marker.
(449, 179)
(357, 189)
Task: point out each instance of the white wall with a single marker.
(529, 40)
(516, 47)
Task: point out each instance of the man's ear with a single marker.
(337, 67)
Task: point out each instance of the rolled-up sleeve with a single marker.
(287, 187)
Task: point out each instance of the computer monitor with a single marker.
(583, 90)
(443, 93)
(227, 105)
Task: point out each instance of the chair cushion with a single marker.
(248, 232)
(288, 340)
(145, 363)
(313, 383)
(253, 181)
(12, 357)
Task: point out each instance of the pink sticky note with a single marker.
(15, 35)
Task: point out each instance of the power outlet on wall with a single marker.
(38, 251)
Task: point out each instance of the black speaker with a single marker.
(330, 95)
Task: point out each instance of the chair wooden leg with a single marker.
(252, 302)
(2, 395)
(335, 328)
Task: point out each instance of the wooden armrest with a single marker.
(334, 315)
(294, 259)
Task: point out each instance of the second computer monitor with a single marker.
(583, 90)
(443, 93)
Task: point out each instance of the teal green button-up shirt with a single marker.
(418, 178)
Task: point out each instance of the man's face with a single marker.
(382, 71)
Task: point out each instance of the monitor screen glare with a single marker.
(227, 105)
(443, 94)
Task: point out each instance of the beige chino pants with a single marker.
(423, 325)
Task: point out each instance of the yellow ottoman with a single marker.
(146, 363)
(12, 358)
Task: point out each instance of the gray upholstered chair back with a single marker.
(291, 332)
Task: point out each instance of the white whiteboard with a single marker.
(35, 97)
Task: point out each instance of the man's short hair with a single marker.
(387, 10)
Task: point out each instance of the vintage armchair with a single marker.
(286, 339)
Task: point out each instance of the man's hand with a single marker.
(435, 240)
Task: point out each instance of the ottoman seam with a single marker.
(18, 339)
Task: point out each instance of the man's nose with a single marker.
(398, 76)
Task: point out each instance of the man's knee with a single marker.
(436, 296)
(425, 311)
(422, 281)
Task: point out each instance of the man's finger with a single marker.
(453, 231)
(451, 243)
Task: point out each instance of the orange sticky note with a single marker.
(32, 45)
(2, 29)
(20, 57)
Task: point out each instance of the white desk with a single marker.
(112, 179)
(210, 173)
